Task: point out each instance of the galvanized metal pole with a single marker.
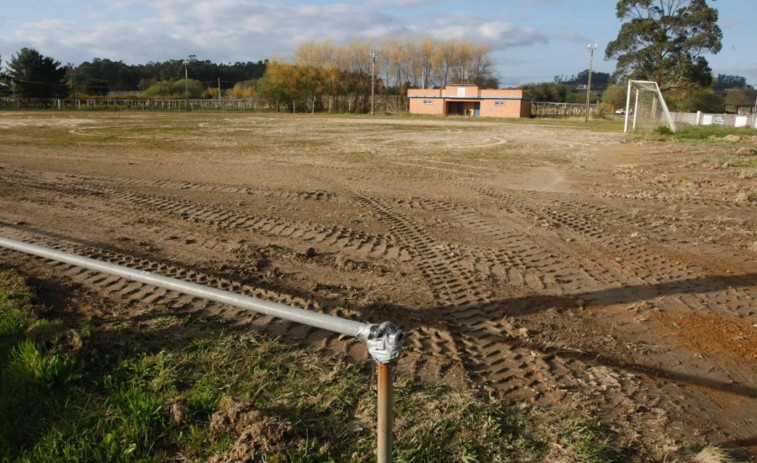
(383, 341)
(307, 317)
(385, 417)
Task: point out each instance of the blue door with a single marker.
(477, 111)
(460, 108)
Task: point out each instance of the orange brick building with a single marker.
(469, 100)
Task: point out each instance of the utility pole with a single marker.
(219, 90)
(73, 86)
(186, 85)
(591, 49)
(373, 82)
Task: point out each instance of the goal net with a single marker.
(646, 108)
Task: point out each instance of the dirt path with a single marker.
(567, 270)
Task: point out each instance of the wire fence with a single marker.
(247, 104)
(329, 104)
(551, 109)
(337, 104)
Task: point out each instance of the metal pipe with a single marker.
(385, 418)
(383, 341)
(316, 319)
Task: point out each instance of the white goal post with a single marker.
(645, 107)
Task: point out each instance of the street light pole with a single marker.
(591, 49)
(373, 82)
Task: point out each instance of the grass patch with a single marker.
(733, 161)
(725, 146)
(124, 396)
(456, 427)
(590, 442)
(691, 132)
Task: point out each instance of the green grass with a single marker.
(81, 393)
(725, 146)
(589, 441)
(691, 132)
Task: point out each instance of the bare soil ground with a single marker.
(567, 270)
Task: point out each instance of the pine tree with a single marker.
(38, 76)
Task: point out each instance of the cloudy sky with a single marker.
(532, 40)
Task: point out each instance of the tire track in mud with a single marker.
(120, 289)
(441, 268)
(516, 257)
(693, 286)
(593, 227)
(571, 268)
(521, 260)
(470, 325)
(344, 239)
(469, 328)
(671, 283)
(635, 263)
(210, 188)
(687, 223)
(55, 178)
(361, 243)
(668, 198)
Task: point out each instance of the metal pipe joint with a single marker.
(384, 342)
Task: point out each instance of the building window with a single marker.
(499, 103)
(428, 101)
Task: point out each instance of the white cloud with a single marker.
(231, 30)
(499, 34)
(137, 31)
(398, 3)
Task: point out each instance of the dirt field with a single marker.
(568, 270)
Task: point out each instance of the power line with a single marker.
(20, 81)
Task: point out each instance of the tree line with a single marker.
(725, 91)
(325, 76)
(322, 75)
(100, 76)
(32, 75)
